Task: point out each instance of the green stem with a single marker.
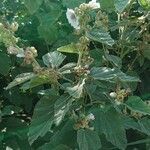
(79, 59)
(36, 64)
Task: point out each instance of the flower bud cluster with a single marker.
(83, 43)
(87, 60)
(7, 37)
(120, 95)
(84, 122)
(49, 75)
(81, 71)
(136, 114)
(29, 55)
(14, 26)
(14, 50)
(102, 20)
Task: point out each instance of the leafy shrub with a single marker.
(74, 74)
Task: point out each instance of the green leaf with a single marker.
(1, 138)
(48, 32)
(97, 55)
(120, 5)
(88, 140)
(110, 123)
(146, 51)
(102, 73)
(20, 79)
(61, 147)
(145, 125)
(53, 59)
(130, 123)
(9, 110)
(65, 134)
(96, 90)
(18, 98)
(4, 64)
(32, 6)
(115, 60)
(67, 68)
(15, 127)
(136, 104)
(36, 81)
(100, 35)
(61, 107)
(52, 16)
(72, 3)
(145, 4)
(48, 28)
(142, 125)
(43, 118)
(107, 5)
(108, 74)
(70, 48)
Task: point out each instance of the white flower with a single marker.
(72, 18)
(90, 117)
(93, 4)
(12, 112)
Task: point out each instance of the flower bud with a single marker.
(88, 72)
(86, 66)
(113, 95)
(1, 25)
(91, 117)
(34, 51)
(14, 26)
(12, 50)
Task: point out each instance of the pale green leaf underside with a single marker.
(108, 74)
(100, 35)
(120, 5)
(71, 48)
(20, 79)
(53, 59)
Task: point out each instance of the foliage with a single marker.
(74, 74)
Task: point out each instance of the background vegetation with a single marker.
(67, 89)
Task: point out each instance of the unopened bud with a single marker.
(1, 25)
(86, 66)
(34, 51)
(12, 50)
(14, 26)
(88, 72)
(113, 95)
(91, 117)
